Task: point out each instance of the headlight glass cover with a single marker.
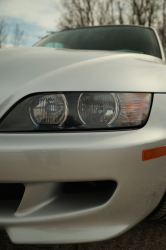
(98, 108)
(49, 109)
(78, 111)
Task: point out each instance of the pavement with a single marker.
(148, 235)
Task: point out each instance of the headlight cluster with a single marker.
(78, 111)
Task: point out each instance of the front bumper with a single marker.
(42, 160)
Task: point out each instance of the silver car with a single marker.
(82, 134)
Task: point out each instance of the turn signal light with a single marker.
(153, 153)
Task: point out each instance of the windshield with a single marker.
(113, 38)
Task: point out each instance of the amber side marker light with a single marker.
(153, 153)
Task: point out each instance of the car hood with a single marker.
(25, 71)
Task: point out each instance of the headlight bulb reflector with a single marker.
(49, 109)
(98, 108)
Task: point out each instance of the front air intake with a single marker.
(89, 187)
(11, 191)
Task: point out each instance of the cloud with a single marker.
(42, 13)
(34, 17)
(32, 32)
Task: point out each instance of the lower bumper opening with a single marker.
(11, 195)
(77, 196)
(86, 194)
(89, 187)
(11, 191)
(70, 197)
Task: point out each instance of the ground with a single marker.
(148, 235)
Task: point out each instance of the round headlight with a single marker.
(51, 109)
(98, 108)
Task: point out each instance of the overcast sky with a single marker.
(35, 17)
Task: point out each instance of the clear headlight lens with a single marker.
(98, 108)
(78, 111)
(49, 109)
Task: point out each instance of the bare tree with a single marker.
(77, 13)
(80, 13)
(144, 12)
(3, 32)
(139, 9)
(153, 7)
(120, 7)
(105, 12)
(162, 25)
(18, 36)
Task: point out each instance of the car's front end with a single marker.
(81, 175)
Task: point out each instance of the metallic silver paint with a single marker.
(42, 160)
